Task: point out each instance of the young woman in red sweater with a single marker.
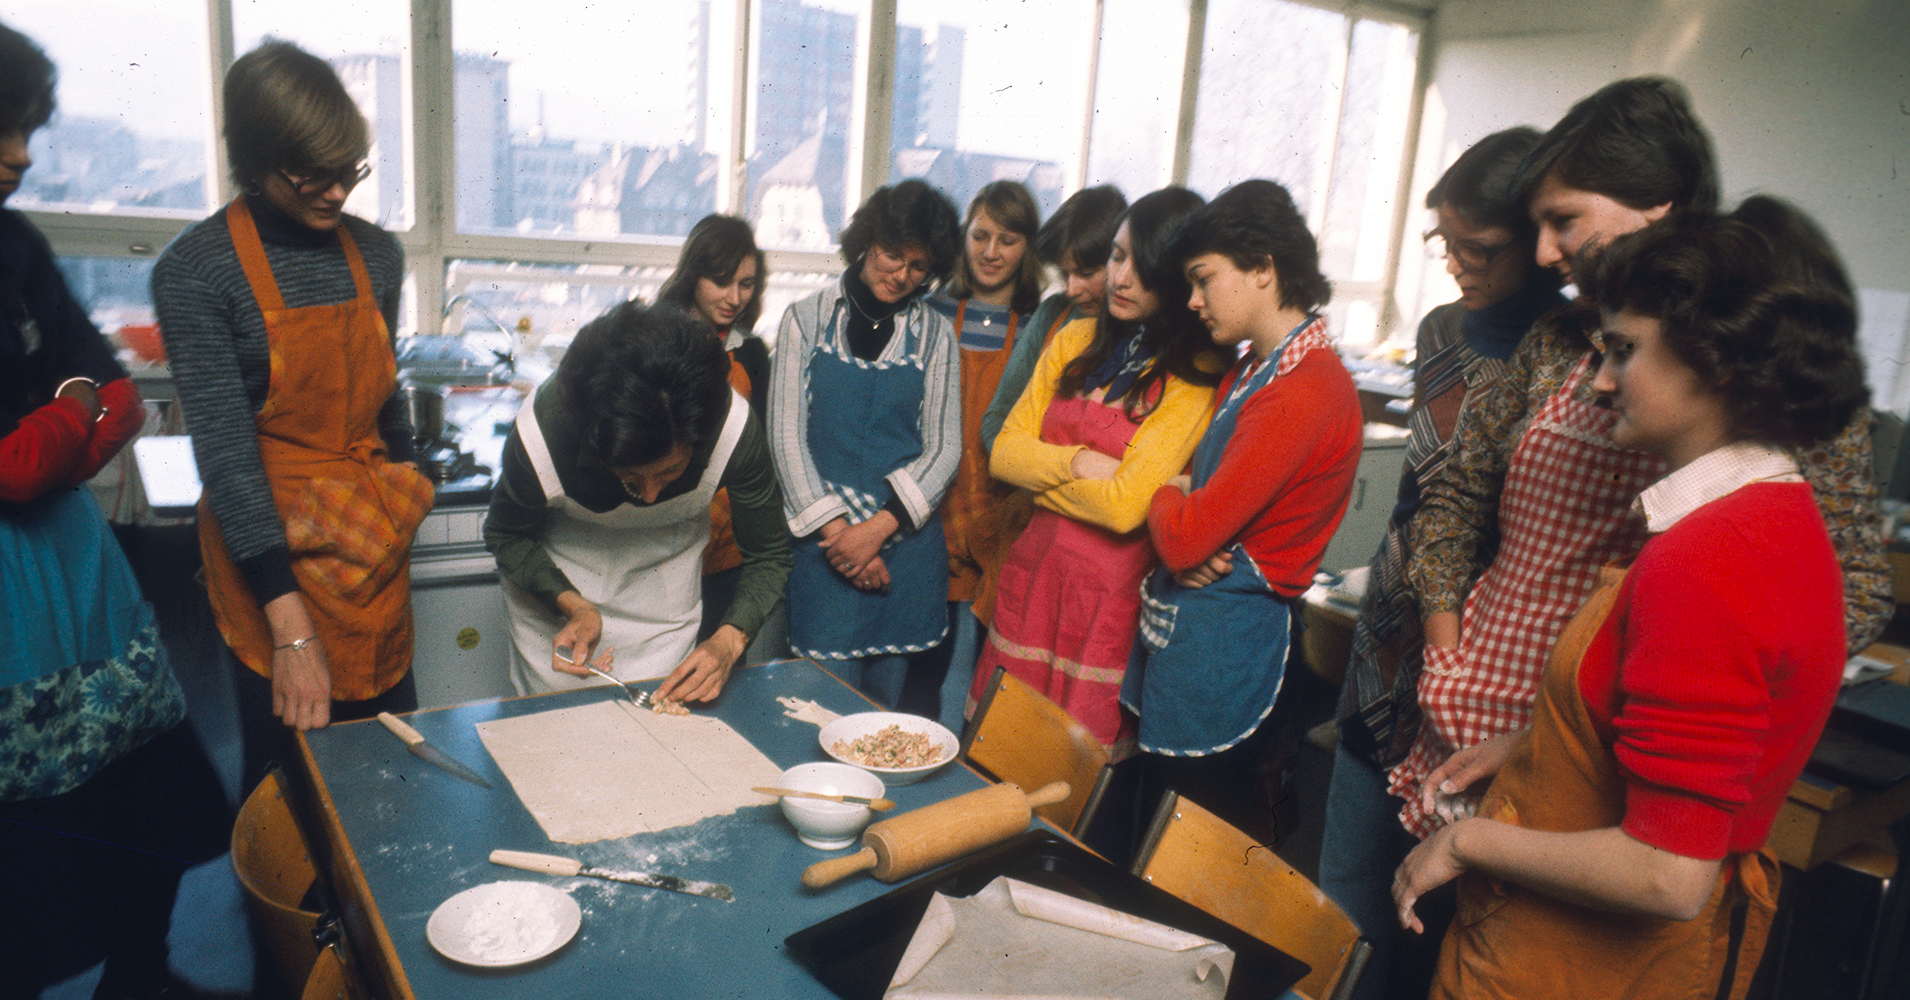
(1618, 851)
(1240, 537)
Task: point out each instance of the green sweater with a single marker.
(514, 529)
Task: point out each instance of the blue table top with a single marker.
(420, 836)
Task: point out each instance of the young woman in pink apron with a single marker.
(601, 511)
(1682, 702)
(1114, 409)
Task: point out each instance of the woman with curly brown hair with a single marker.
(1619, 848)
(865, 406)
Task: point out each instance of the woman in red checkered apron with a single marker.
(1564, 512)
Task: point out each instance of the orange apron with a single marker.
(349, 513)
(972, 509)
(722, 553)
(1511, 942)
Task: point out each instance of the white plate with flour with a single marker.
(504, 923)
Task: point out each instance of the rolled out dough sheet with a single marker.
(609, 770)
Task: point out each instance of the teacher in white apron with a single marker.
(601, 511)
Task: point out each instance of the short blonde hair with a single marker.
(286, 109)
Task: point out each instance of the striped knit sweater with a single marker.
(215, 340)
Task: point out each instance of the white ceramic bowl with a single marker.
(823, 824)
(850, 727)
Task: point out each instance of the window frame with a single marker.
(432, 242)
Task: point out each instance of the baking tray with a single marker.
(855, 952)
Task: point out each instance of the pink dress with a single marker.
(1070, 593)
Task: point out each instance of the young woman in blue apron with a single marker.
(865, 402)
(1240, 538)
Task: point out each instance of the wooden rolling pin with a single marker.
(903, 845)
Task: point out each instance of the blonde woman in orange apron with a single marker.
(996, 285)
(277, 317)
(1618, 852)
(600, 515)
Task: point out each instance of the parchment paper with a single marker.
(608, 770)
(1015, 941)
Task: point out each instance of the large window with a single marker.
(129, 136)
(540, 161)
(989, 90)
(1318, 101)
(1137, 90)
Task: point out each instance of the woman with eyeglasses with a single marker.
(1619, 849)
(1488, 241)
(277, 315)
(866, 415)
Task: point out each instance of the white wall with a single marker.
(1806, 99)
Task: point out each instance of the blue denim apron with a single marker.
(865, 421)
(1210, 661)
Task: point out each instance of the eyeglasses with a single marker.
(320, 181)
(888, 263)
(1472, 256)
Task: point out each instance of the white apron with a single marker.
(642, 566)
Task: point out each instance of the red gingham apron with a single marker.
(1565, 510)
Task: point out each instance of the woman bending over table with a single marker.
(601, 511)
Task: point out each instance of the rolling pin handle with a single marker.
(1049, 794)
(826, 872)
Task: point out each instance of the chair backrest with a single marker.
(275, 870)
(332, 978)
(1204, 860)
(1019, 735)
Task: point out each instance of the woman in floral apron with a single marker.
(106, 796)
(600, 515)
(277, 315)
(1618, 852)
(1240, 537)
(865, 402)
(1114, 409)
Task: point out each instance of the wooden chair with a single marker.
(1019, 735)
(332, 978)
(275, 870)
(1202, 859)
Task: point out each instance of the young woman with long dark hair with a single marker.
(1113, 410)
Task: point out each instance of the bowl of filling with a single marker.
(897, 747)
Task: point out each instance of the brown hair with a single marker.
(717, 246)
(1010, 205)
(286, 109)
